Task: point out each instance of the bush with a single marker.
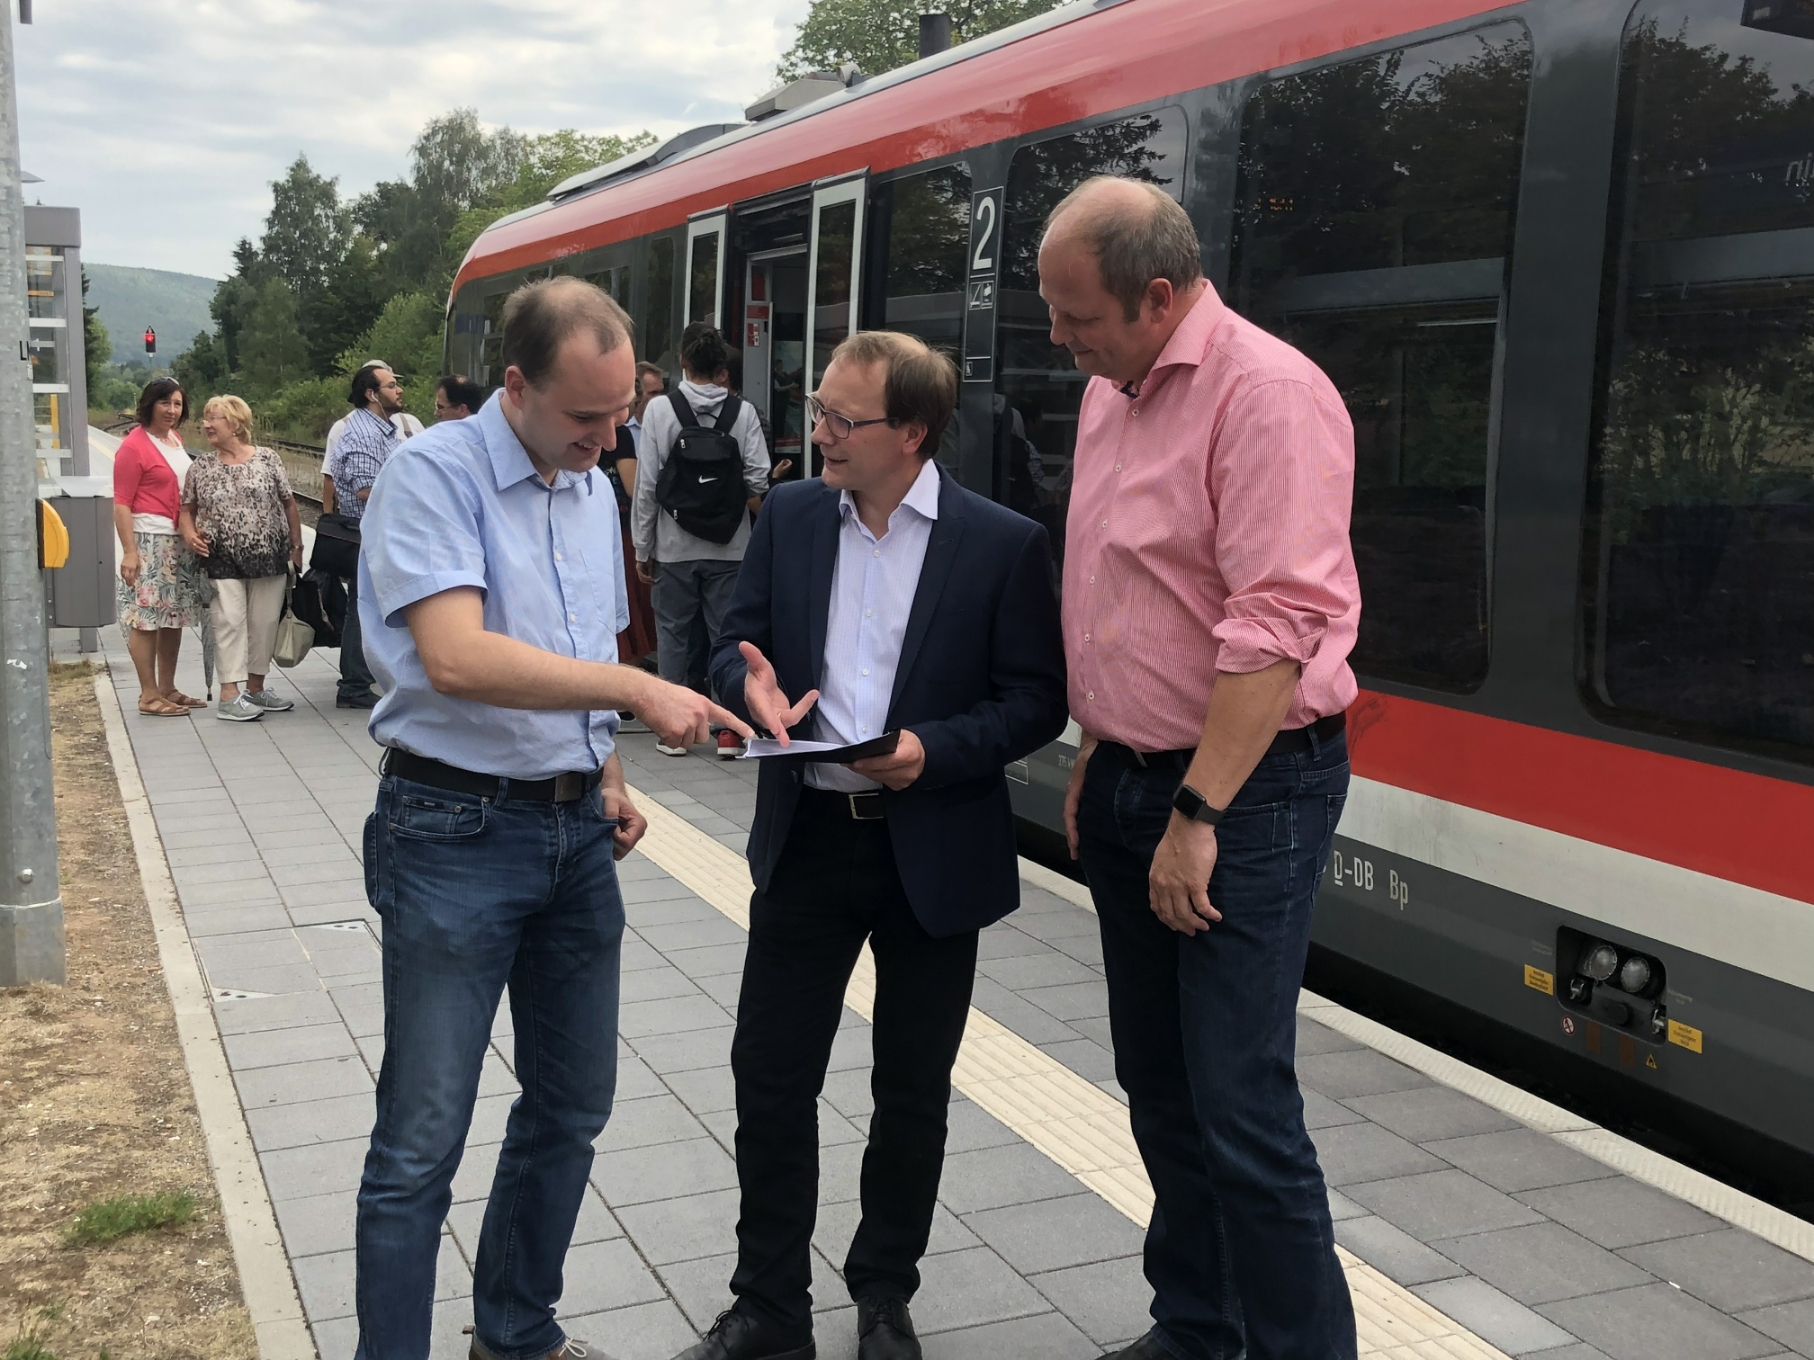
(122, 1215)
(302, 411)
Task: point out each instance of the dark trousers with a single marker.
(1240, 1251)
(355, 675)
(836, 886)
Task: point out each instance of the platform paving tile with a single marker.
(1055, 1234)
(1394, 1251)
(1730, 1269)
(644, 1331)
(1519, 1159)
(1441, 1204)
(1424, 1114)
(1358, 1152)
(1658, 1322)
(1619, 1212)
(1792, 1324)
(1494, 1316)
(1542, 1263)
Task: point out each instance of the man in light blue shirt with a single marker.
(491, 590)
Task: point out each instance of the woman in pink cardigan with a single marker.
(160, 590)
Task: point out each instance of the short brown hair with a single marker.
(921, 382)
(645, 369)
(539, 317)
(1134, 248)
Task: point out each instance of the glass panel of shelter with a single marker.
(1699, 562)
(1373, 224)
(1038, 387)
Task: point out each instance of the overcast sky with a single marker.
(164, 121)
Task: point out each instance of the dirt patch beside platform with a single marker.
(95, 1103)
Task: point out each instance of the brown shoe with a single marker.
(569, 1349)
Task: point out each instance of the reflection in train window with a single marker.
(921, 226)
(1699, 567)
(703, 290)
(1039, 389)
(1373, 223)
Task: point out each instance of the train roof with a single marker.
(1075, 62)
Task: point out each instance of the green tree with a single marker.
(272, 349)
(232, 304)
(349, 303)
(306, 231)
(201, 369)
(879, 35)
(97, 345)
(406, 335)
(546, 161)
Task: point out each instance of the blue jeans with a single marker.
(1240, 1251)
(475, 893)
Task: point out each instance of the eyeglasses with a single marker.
(841, 427)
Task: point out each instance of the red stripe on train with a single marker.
(1743, 827)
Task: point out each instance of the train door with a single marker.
(774, 350)
(705, 266)
(834, 265)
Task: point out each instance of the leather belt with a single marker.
(560, 788)
(858, 807)
(1291, 740)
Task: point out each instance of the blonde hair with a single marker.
(234, 411)
(920, 382)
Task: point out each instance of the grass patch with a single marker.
(29, 1343)
(125, 1214)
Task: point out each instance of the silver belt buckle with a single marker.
(856, 811)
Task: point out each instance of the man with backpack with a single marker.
(701, 470)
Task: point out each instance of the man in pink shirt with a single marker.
(1210, 603)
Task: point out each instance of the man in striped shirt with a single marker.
(1210, 603)
(367, 439)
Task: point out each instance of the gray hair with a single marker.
(1133, 247)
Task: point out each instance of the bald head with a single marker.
(1136, 232)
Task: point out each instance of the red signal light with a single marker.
(150, 341)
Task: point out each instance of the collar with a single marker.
(1189, 344)
(921, 497)
(510, 461)
(389, 426)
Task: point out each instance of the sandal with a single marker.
(162, 708)
(185, 701)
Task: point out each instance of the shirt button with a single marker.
(876, 553)
(1091, 696)
(1105, 524)
(1086, 637)
(865, 670)
(1117, 467)
(862, 730)
(559, 558)
(1092, 580)
(1136, 410)
(869, 613)
(572, 618)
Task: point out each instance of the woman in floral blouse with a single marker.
(240, 519)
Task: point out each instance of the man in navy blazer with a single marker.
(881, 598)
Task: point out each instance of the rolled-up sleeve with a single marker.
(421, 533)
(1282, 486)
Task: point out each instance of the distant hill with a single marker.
(174, 305)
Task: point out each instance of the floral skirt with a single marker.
(171, 591)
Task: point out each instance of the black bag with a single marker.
(319, 600)
(701, 484)
(336, 548)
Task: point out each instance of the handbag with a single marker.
(294, 637)
(336, 549)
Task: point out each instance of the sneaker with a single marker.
(269, 702)
(239, 709)
(569, 1349)
(668, 750)
(730, 745)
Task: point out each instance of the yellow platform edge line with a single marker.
(1074, 1122)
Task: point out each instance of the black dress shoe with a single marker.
(885, 1331)
(738, 1336)
(1147, 1347)
(366, 700)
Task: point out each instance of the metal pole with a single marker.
(31, 906)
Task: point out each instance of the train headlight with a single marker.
(1635, 974)
(1600, 962)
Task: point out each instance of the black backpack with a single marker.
(701, 484)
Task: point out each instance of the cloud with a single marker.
(165, 121)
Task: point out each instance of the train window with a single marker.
(658, 324)
(1699, 563)
(835, 247)
(1039, 389)
(1372, 228)
(922, 229)
(703, 292)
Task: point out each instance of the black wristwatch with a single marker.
(1195, 806)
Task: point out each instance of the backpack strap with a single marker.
(728, 413)
(683, 411)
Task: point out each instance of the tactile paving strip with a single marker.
(1074, 1122)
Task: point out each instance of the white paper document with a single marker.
(828, 752)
